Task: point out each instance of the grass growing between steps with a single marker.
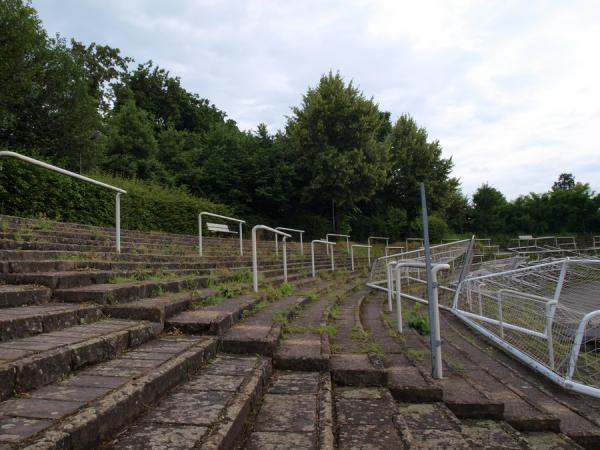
(367, 344)
(269, 295)
(228, 283)
(291, 328)
(151, 276)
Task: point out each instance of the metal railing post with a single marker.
(118, 220)
(390, 284)
(312, 256)
(276, 246)
(550, 306)
(398, 301)
(241, 240)
(254, 261)
(332, 261)
(301, 245)
(500, 318)
(285, 274)
(200, 234)
(352, 258)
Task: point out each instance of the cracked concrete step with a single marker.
(261, 332)
(91, 406)
(430, 426)
(24, 294)
(110, 293)
(209, 411)
(364, 419)
(26, 321)
(157, 309)
(296, 412)
(31, 362)
(64, 280)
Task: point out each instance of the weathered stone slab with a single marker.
(157, 437)
(280, 441)
(38, 408)
(189, 408)
(15, 429)
(351, 369)
(282, 412)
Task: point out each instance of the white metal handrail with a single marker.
(293, 230)
(233, 219)
(312, 254)
(352, 253)
(394, 247)
(119, 191)
(254, 255)
(347, 236)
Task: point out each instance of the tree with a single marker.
(489, 206)
(45, 104)
(334, 138)
(414, 159)
(565, 181)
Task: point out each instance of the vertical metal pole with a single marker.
(549, 307)
(352, 257)
(118, 220)
(312, 255)
(348, 244)
(332, 263)
(241, 241)
(369, 254)
(398, 302)
(301, 245)
(276, 246)
(390, 285)
(254, 261)
(284, 260)
(200, 234)
(436, 343)
(500, 317)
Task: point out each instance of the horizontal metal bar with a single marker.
(36, 162)
(505, 324)
(321, 241)
(289, 229)
(272, 230)
(206, 213)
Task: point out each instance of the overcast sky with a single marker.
(510, 88)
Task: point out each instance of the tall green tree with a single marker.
(334, 138)
(489, 207)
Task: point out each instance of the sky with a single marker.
(511, 89)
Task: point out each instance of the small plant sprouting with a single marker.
(418, 320)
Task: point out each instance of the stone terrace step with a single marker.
(31, 320)
(406, 382)
(365, 419)
(208, 411)
(213, 319)
(306, 347)
(64, 280)
(296, 412)
(109, 293)
(430, 425)
(260, 332)
(17, 295)
(31, 362)
(158, 309)
(94, 404)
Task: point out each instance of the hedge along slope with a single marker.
(29, 191)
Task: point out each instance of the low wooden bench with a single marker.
(219, 228)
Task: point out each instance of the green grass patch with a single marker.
(417, 319)
(335, 312)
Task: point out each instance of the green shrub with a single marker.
(417, 319)
(29, 191)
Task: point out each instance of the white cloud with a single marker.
(509, 88)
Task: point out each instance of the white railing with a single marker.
(119, 191)
(338, 235)
(312, 254)
(255, 257)
(232, 219)
(546, 315)
(395, 278)
(393, 247)
(359, 246)
(374, 238)
(293, 230)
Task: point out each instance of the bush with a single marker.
(29, 191)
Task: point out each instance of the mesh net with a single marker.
(546, 311)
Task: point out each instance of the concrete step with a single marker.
(26, 321)
(260, 333)
(430, 426)
(365, 418)
(110, 294)
(208, 411)
(25, 294)
(296, 412)
(83, 410)
(31, 362)
(64, 280)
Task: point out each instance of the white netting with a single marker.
(545, 311)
